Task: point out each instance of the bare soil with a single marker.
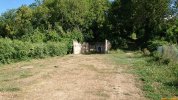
(74, 77)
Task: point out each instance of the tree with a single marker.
(150, 17)
(171, 34)
(36, 3)
(121, 20)
(98, 22)
(7, 23)
(40, 17)
(85, 15)
(145, 18)
(23, 20)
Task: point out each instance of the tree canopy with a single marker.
(120, 21)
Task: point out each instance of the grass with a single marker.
(101, 93)
(159, 81)
(9, 86)
(12, 74)
(9, 89)
(8, 79)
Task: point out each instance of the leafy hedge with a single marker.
(15, 50)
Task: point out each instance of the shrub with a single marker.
(35, 37)
(154, 44)
(57, 49)
(75, 34)
(38, 36)
(175, 69)
(52, 35)
(119, 42)
(15, 50)
(69, 44)
(6, 50)
(157, 56)
(39, 50)
(21, 49)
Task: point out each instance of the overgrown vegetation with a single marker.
(159, 80)
(124, 23)
(48, 27)
(15, 50)
(131, 23)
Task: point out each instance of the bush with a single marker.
(15, 50)
(52, 35)
(36, 37)
(157, 56)
(154, 44)
(57, 49)
(21, 50)
(39, 50)
(119, 42)
(6, 50)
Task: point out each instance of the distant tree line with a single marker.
(124, 22)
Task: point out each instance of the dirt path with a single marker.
(76, 77)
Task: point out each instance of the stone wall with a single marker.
(91, 47)
(77, 47)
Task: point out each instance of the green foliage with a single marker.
(172, 31)
(55, 17)
(87, 15)
(6, 50)
(23, 23)
(158, 80)
(35, 37)
(130, 21)
(7, 24)
(154, 44)
(145, 18)
(126, 23)
(76, 34)
(39, 50)
(21, 50)
(52, 35)
(57, 49)
(15, 50)
(119, 42)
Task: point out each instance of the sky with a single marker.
(12, 4)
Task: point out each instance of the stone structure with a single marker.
(77, 47)
(91, 47)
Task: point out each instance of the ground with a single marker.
(73, 77)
